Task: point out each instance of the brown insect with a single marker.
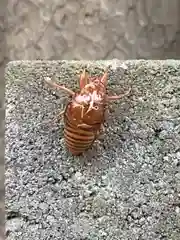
(84, 115)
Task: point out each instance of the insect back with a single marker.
(84, 114)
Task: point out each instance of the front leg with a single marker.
(118, 96)
(55, 85)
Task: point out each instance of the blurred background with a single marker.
(93, 29)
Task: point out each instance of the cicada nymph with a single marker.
(84, 114)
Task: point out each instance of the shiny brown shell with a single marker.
(84, 114)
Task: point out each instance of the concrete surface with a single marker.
(126, 187)
(93, 29)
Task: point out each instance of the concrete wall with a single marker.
(93, 29)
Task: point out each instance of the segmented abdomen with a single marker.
(77, 139)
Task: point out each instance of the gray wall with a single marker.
(93, 29)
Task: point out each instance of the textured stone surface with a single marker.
(92, 29)
(126, 187)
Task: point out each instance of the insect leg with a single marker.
(118, 96)
(55, 85)
(61, 114)
(56, 118)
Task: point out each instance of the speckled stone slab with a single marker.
(127, 186)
